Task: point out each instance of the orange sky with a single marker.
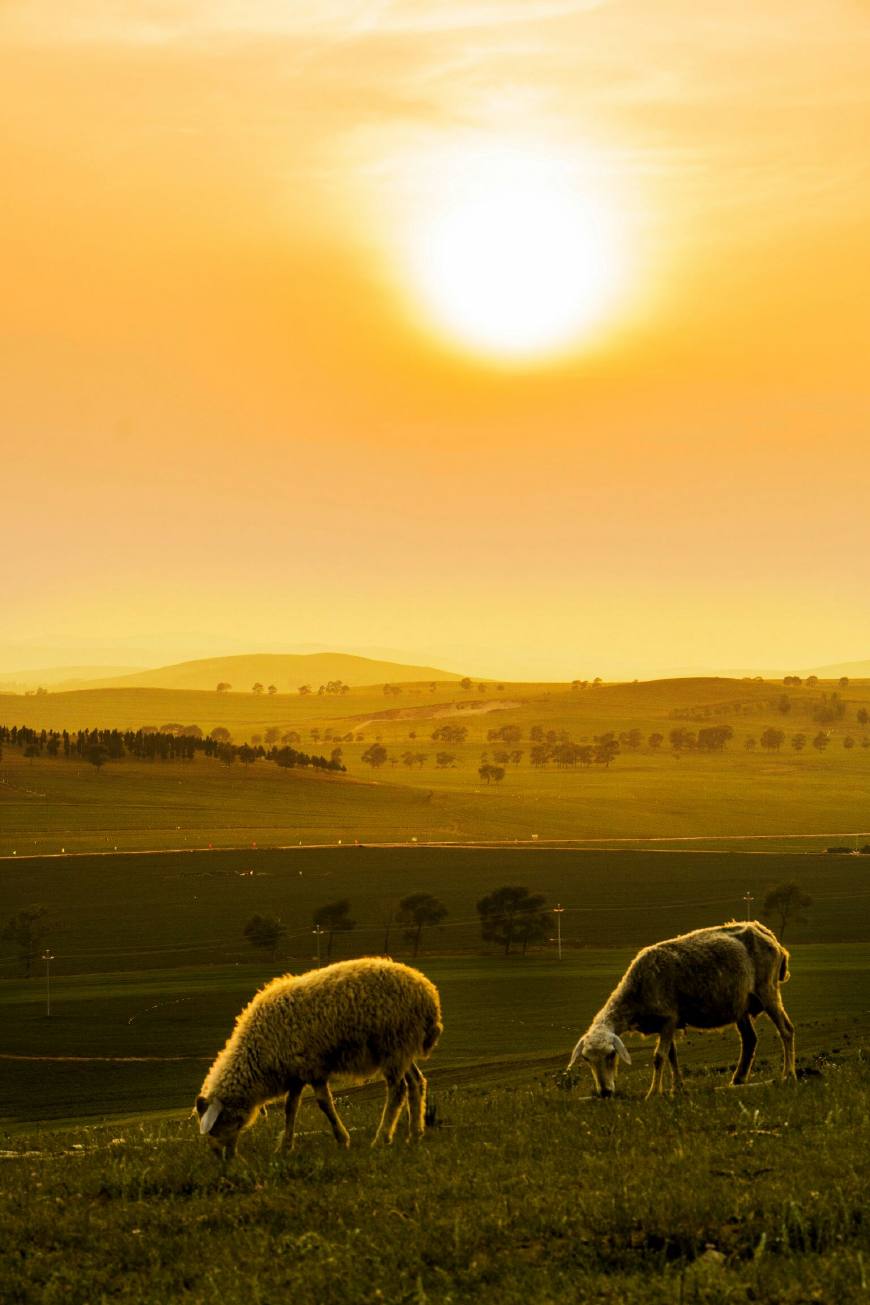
(229, 423)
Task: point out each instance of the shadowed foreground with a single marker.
(524, 1193)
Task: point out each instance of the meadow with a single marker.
(150, 965)
(525, 1188)
(521, 1191)
(647, 793)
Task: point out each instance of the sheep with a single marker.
(356, 1018)
(707, 979)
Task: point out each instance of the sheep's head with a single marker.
(221, 1122)
(600, 1048)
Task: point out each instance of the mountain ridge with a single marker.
(286, 670)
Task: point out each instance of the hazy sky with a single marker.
(232, 420)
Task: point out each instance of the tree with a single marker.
(304, 690)
(375, 755)
(417, 912)
(272, 690)
(450, 734)
(606, 749)
(843, 681)
(465, 683)
(798, 742)
(27, 932)
(257, 688)
(821, 741)
(264, 932)
(333, 918)
(772, 739)
(272, 735)
(223, 687)
(783, 903)
(811, 681)
(512, 915)
(714, 737)
(97, 755)
(220, 734)
(863, 716)
(655, 741)
(444, 760)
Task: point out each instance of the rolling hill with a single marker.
(285, 670)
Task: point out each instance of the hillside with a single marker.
(285, 670)
(62, 677)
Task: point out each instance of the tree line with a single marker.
(511, 917)
(99, 746)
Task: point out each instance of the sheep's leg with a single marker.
(785, 1029)
(291, 1106)
(748, 1043)
(397, 1092)
(676, 1076)
(662, 1051)
(416, 1084)
(327, 1105)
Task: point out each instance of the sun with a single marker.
(517, 255)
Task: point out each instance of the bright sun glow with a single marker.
(518, 255)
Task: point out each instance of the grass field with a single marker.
(525, 1189)
(150, 961)
(522, 1192)
(646, 795)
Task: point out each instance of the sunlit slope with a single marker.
(646, 793)
(557, 706)
(285, 670)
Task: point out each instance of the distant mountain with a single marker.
(854, 670)
(61, 677)
(287, 671)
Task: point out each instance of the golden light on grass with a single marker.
(518, 255)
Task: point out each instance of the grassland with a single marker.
(150, 965)
(646, 795)
(526, 1189)
(522, 1192)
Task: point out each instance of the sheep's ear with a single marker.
(620, 1048)
(576, 1054)
(206, 1124)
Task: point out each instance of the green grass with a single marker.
(145, 910)
(48, 805)
(524, 1192)
(127, 1043)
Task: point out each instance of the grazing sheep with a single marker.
(357, 1018)
(703, 980)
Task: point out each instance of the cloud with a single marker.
(105, 21)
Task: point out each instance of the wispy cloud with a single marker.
(101, 21)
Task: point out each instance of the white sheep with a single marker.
(355, 1018)
(704, 980)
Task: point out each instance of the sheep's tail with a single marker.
(432, 1032)
(784, 975)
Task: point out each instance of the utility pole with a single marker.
(748, 899)
(48, 958)
(557, 911)
(317, 931)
